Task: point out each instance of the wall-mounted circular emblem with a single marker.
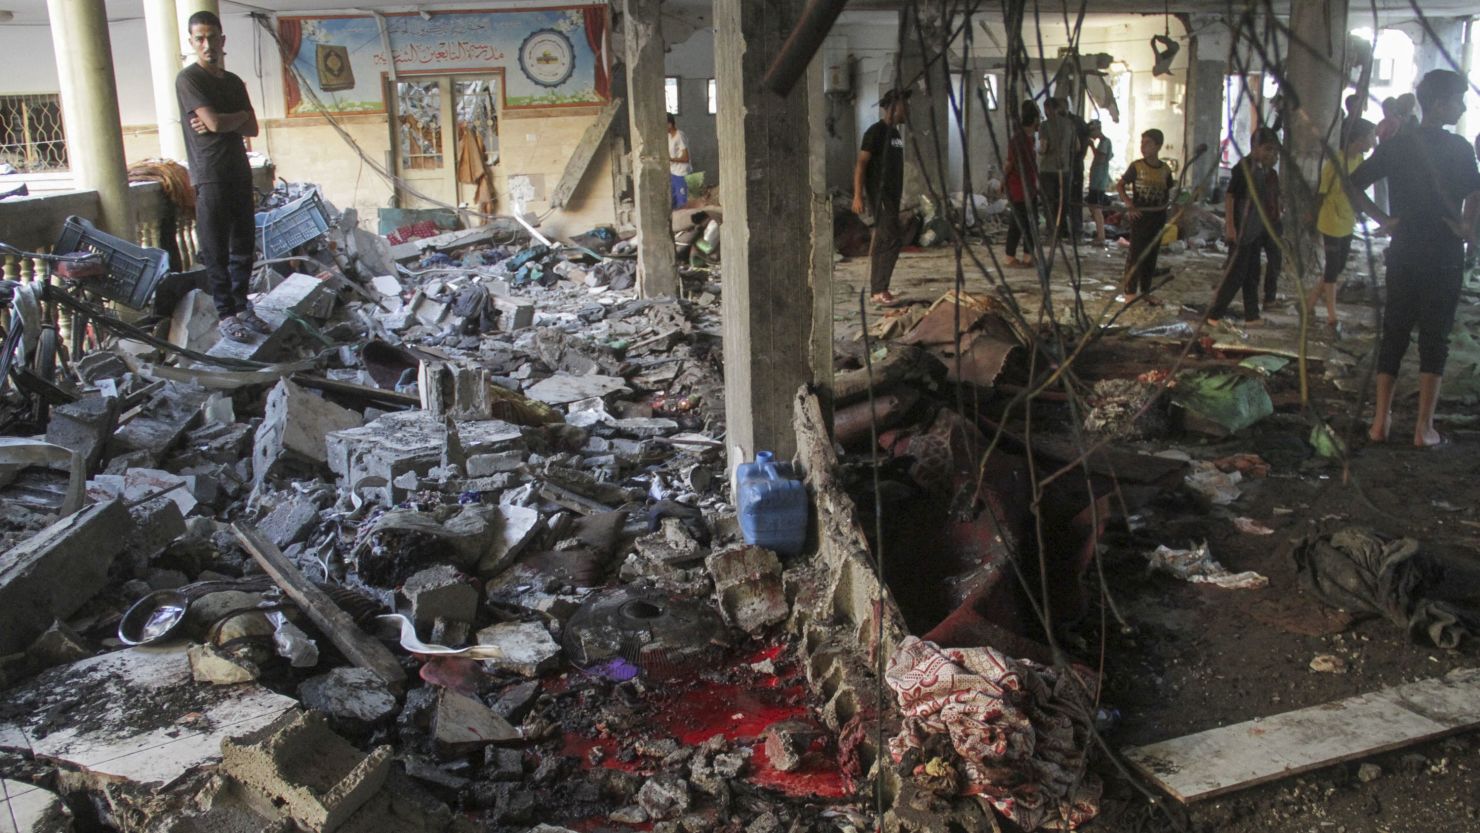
(547, 57)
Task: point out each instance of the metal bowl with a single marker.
(155, 617)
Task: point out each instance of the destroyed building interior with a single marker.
(739, 416)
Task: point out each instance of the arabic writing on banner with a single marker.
(547, 57)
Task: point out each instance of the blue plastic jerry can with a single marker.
(773, 505)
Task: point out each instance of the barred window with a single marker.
(31, 135)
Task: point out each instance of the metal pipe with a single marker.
(805, 39)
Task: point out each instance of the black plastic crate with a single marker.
(284, 229)
(132, 270)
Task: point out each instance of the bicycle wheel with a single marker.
(44, 365)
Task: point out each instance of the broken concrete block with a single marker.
(513, 313)
(503, 764)
(748, 588)
(386, 286)
(84, 426)
(646, 426)
(209, 664)
(163, 422)
(290, 521)
(291, 437)
(787, 743)
(194, 323)
(100, 364)
(157, 523)
(299, 296)
(354, 697)
(410, 441)
(140, 485)
(664, 796)
(485, 465)
(315, 776)
(402, 806)
(463, 724)
(526, 648)
(463, 393)
(59, 645)
(441, 592)
(516, 526)
(25, 808)
(671, 546)
(563, 388)
(54, 572)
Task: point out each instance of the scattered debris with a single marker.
(1197, 566)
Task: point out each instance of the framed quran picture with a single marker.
(335, 70)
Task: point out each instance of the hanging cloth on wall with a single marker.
(471, 170)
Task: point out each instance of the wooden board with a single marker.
(580, 158)
(1229, 758)
(358, 647)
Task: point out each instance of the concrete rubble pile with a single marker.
(327, 581)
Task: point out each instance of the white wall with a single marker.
(692, 61)
(307, 149)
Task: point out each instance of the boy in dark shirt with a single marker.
(1434, 191)
(1251, 212)
(879, 175)
(1150, 182)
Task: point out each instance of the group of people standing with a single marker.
(1427, 188)
(1045, 171)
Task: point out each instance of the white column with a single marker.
(163, 28)
(183, 10)
(79, 31)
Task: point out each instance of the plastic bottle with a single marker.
(773, 506)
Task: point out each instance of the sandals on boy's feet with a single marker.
(233, 329)
(252, 321)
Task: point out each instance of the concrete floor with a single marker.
(923, 275)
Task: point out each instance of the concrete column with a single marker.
(183, 10)
(79, 31)
(1317, 52)
(163, 29)
(657, 273)
(821, 271)
(1448, 37)
(766, 182)
(927, 133)
(1207, 67)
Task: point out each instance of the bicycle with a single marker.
(30, 348)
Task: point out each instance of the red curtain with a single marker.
(596, 39)
(290, 35)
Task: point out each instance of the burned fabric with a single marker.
(1361, 571)
(1020, 729)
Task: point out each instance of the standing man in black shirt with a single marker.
(879, 174)
(217, 115)
(1434, 192)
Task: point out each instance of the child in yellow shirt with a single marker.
(1337, 220)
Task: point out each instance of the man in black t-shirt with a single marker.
(217, 114)
(879, 176)
(1434, 193)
